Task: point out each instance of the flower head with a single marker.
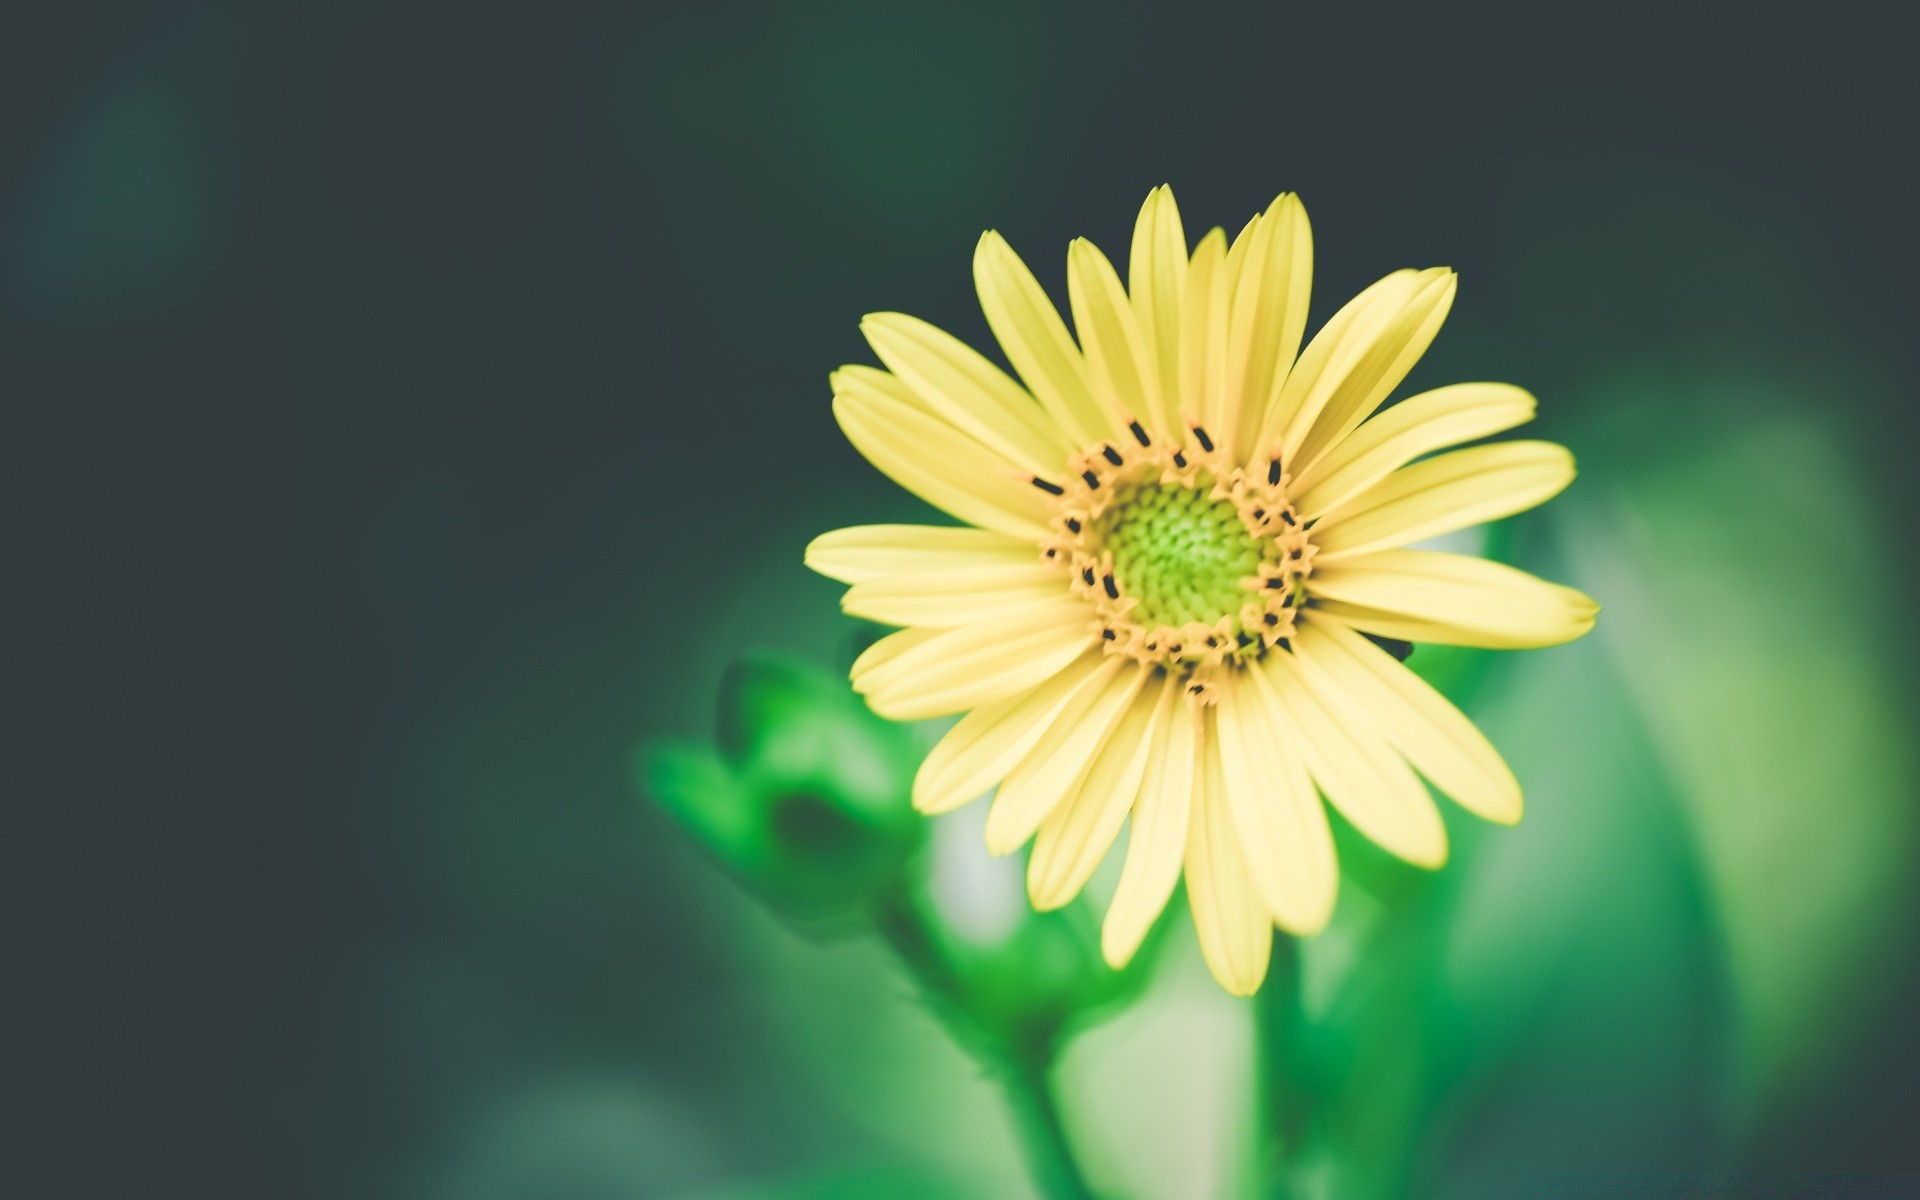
(1183, 531)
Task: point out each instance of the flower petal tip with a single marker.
(1244, 988)
(1504, 816)
(1306, 925)
(1432, 860)
(1045, 897)
(1118, 953)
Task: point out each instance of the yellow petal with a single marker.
(1417, 425)
(1234, 927)
(1434, 735)
(942, 466)
(1452, 599)
(956, 669)
(1156, 830)
(1222, 398)
(1118, 365)
(1438, 495)
(1380, 366)
(1269, 314)
(954, 597)
(1203, 333)
(988, 742)
(1360, 773)
(1283, 829)
(1330, 358)
(889, 648)
(967, 391)
(1076, 836)
(1036, 341)
(1052, 769)
(861, 552)
(873, 383)
(1157, 284)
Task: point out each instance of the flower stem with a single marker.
(901, 926)
(1024, 1060)
(1285, 1101)
(1049, 1154)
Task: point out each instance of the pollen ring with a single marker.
(1192, 564)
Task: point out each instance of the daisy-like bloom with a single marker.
(1180, 535)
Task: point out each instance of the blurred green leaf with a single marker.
(1563, 967)
(1717, 837)
(1748, 607)
(1579, 995)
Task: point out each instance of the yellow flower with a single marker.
(1180, 534)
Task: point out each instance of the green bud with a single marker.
(806, 798)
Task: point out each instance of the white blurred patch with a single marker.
(1161, 1100)
(978, 896)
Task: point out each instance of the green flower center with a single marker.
(1179, 552)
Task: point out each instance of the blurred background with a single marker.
(415, 408)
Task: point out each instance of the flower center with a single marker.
(1192, 563)
(1179, 552)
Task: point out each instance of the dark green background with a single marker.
(412, 406)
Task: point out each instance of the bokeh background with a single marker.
(416, 407)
